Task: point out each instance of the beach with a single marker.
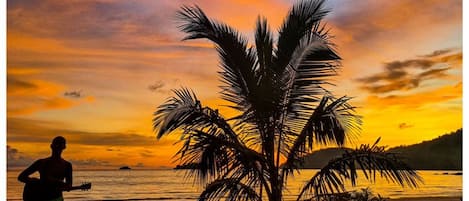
(428, 199)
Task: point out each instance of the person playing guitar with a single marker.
(55, 176)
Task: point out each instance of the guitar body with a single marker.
(35, 191)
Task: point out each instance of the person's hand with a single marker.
(65, 187)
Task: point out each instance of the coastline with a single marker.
(450, 198)
(171, 185)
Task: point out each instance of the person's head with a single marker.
(58, 144)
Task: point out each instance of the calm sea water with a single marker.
(172, 185)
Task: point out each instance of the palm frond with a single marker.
(178, 111)
(302, 18)
(217, 157)
(311, 63)
(186, 112)
(371, 160)
(311, 66)
(264, 44)
(207, 153)
(230, 190)
(333, 121)
(238, 62)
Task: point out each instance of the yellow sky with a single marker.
(402, 61)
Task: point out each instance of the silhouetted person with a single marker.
(55, 173)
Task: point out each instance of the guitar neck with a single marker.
(75, 188)
(86, 186)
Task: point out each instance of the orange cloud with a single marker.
(439, 95)
(22, 71)
(27, 97)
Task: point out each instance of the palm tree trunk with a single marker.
(260, 191)
(276, 194)
(275, 182)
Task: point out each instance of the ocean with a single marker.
(173, 185)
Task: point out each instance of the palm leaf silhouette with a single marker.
(278, 89)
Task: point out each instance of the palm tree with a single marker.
(283, 111)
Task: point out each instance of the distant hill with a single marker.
(319, 159)
(442, 153)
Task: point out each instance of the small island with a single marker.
(124, 168)
(187, 166)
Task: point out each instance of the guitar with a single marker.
(34, 191)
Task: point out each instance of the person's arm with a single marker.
(24, 176)
(68, 177)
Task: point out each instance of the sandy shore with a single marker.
(428, 199)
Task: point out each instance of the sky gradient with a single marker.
(95, 71)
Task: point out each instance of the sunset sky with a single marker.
(94, 72)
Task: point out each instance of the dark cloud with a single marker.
(387, 75)
(416, 63)
(405, 125)
(15, 84)
(73, 94)
(28, 130)
(17, 159)
(112, 149)
(156, 87)
(438, 53)
(434, 73)
(147, 153)
(403, 84)
(457, 57)
(408, 74)
(90, 163)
